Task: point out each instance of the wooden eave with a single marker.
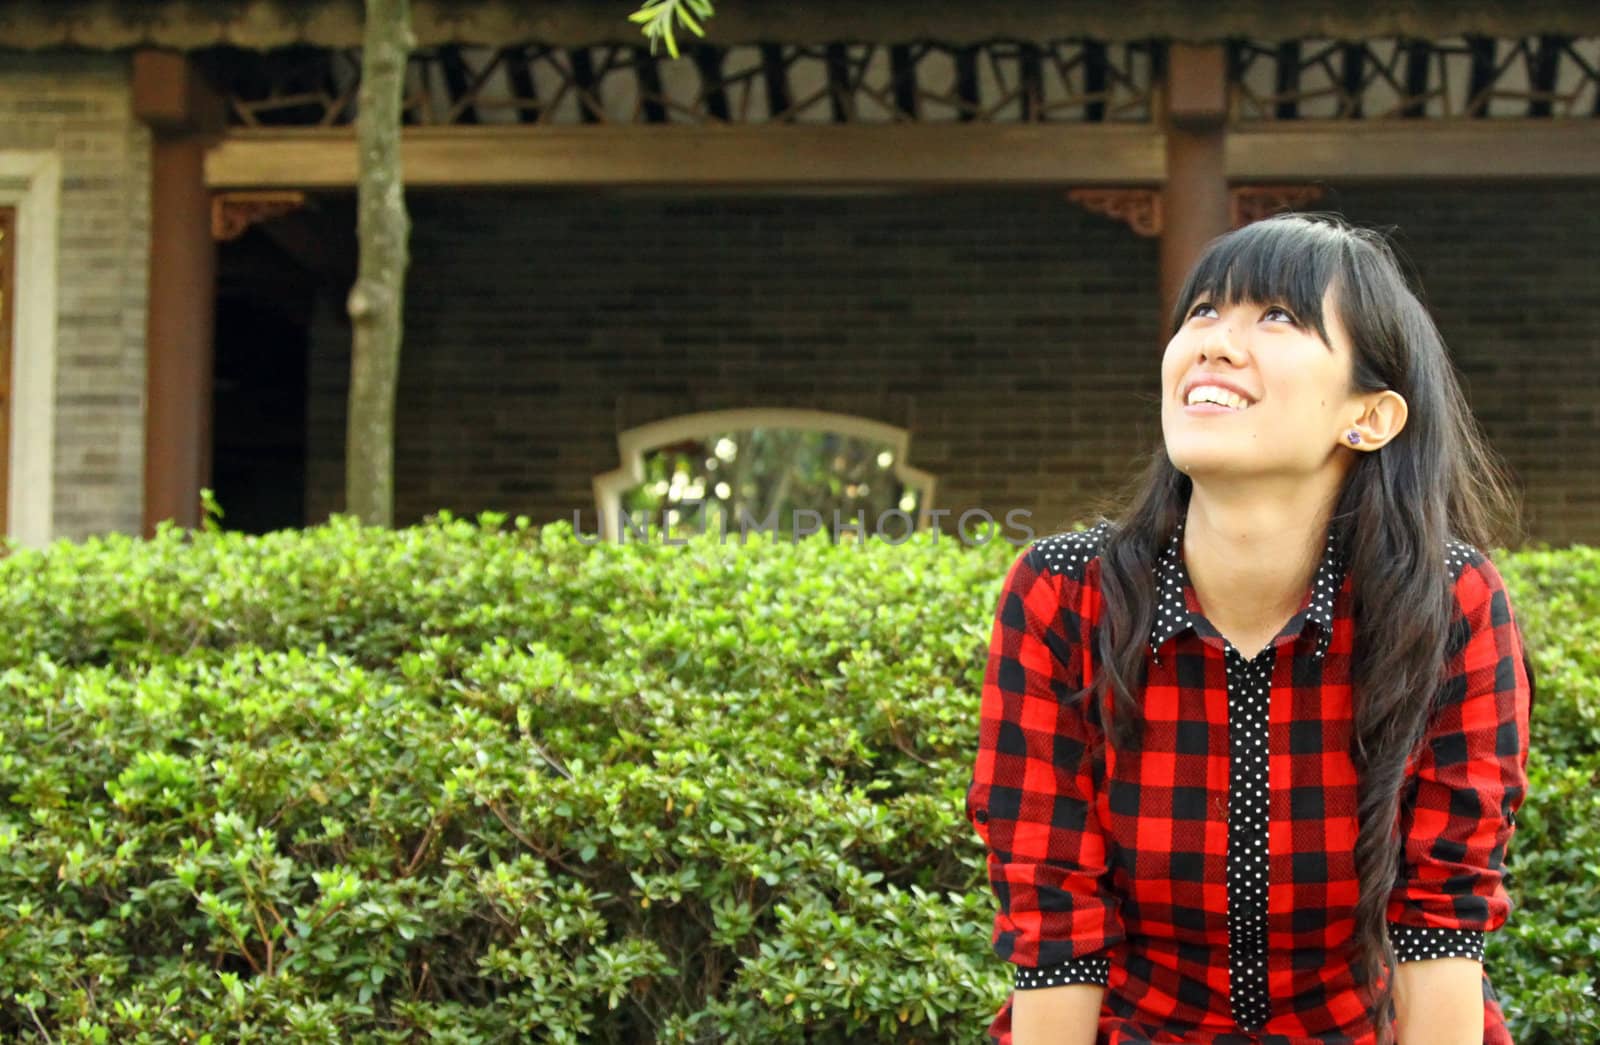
(106, 25)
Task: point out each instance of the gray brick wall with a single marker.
(1509, 274)
(1010, 331)
(80, 107)
(1013, 332)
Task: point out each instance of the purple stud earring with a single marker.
(1354, 436)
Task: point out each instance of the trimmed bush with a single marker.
(481, 781)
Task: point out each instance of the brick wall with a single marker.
(1014, 333)
(1508, 271)
(79, 106)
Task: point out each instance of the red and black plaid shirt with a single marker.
(1208, 881)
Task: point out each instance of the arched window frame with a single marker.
(634, 443)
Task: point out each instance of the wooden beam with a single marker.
(690, 156)
(1414, 150)
(913, 155)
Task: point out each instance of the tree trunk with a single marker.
(382, 229)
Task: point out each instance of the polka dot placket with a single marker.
(1248, 685)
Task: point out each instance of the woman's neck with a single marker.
(1251, 558)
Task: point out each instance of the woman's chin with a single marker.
(1197, 461)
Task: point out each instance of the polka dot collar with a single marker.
(1173, 590)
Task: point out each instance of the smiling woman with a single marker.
(1250, 753)
(1229, 354)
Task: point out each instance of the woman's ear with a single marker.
(1382, 418)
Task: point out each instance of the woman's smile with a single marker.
(1203, 409)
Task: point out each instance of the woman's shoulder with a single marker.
(1482, 599)
(1070, 552)
(1474, 577)
(1461, 556)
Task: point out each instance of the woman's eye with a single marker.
(1270, 309)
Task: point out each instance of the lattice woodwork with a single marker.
(1001, 81)
(1467, 76)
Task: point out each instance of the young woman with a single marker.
(1250, 753)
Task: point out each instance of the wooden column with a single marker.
(183, 116)
(1195, 204)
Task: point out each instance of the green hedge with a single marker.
(480, 781)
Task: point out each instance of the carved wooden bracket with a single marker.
(1250, 203)
(1140, 209)
(234, 212)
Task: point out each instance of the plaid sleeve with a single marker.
(1031, 796)
(1470, 779)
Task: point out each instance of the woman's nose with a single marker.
(1219, 344)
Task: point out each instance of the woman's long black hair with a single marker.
(1437, 479)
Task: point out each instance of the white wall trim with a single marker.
(634, 443)
(31, 182)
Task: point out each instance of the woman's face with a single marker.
(1297, 387)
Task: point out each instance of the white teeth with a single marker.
(1220, 396)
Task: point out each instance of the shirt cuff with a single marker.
(1095, 971)
(1413, 944)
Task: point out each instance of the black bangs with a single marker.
(1288, 261)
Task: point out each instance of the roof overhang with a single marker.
(266, 24)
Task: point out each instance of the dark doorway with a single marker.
(258, 448)
(259, 427)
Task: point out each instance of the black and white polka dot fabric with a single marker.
(1248, 682)
(1084, 970)
(1415, 943)
(1172, 610)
